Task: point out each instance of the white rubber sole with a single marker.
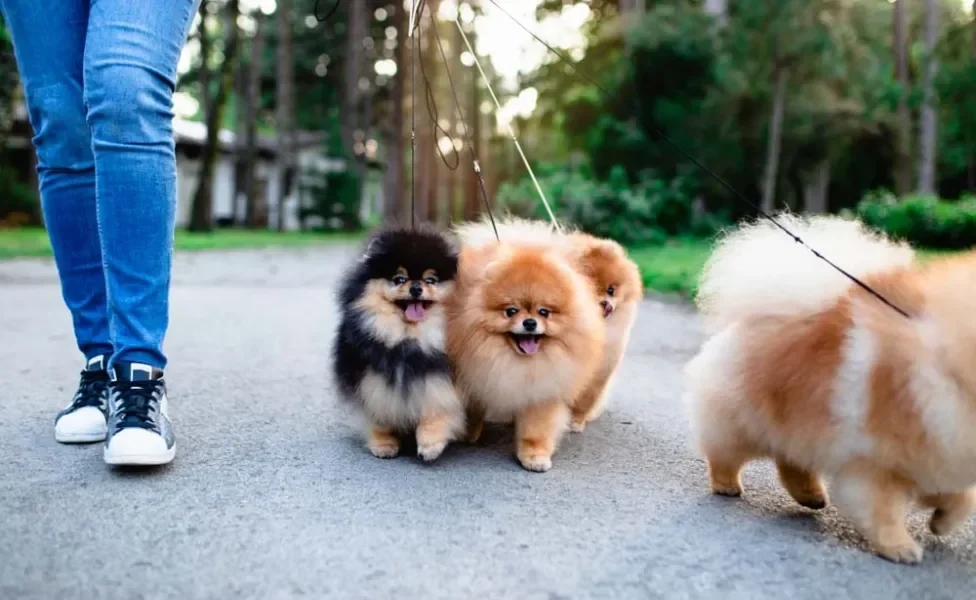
(145, 460)
(79, 438)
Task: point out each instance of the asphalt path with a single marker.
(273, 495)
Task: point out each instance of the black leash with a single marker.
(701, 166)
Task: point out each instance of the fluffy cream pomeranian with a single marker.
(613, 277)
(524, 337)
(810, 370)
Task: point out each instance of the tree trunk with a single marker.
(473, 203)
(928, 135)
(256, 209)
(285, 110)
(815, 190)
(205, 52)
(201, 218)
(394, 184)
(353, 70)
(432, 187)
(903, 151)
(773, 145)
(365, 197)
(240, 132)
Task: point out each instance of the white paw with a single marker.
(908, 553)
(577, 426)
(430, 452)
(384, 451)
(540, 463)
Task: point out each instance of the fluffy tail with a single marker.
(510, 229)
(758, 270)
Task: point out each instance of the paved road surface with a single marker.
(272, 495)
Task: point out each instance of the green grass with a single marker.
(674, 267)
(31, 242)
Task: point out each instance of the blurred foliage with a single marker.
(648, 211)
(335, 199)
(922, 220)
(709, 90)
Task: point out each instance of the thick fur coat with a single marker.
(388, 354)
(806, 368)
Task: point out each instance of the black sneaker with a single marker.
(83, 421)
(139, 430)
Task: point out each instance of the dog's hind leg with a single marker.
(588, 403)
(951, 510)
(805, 487)
(475, 422)
(877, 502)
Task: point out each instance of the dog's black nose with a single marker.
(529, 324)
(415, 290)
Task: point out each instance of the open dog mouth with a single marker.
(526, 343)
(414, 310)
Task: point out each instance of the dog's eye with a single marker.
(431, 280)
(399, 280)
(511, 311)
(545, 312)
(610, 291)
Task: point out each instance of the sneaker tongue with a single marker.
(415, 311)
(96, 363)
(134, 372)
(529, 345)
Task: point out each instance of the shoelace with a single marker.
(135, 404)
(91, 390)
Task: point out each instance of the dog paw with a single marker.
(384, 450)
(944, 522)
(577, 426)
(539, 463)
(814, 499)
(732, 490)
(907, 552)
(430, 452)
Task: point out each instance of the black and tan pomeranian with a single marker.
(388, 355)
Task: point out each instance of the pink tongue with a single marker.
(415, 311)
(529, 345)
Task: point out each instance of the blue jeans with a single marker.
(98, 78)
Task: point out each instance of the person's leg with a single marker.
(131, 55)
(130, 62)
(49, 42)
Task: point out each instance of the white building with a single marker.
(191, 138)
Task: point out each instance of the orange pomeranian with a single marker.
(617, 284)
(810, 370)
(525, 338)
(614, 280)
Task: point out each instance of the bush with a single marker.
(647, 212)
(924, 221)
(18, 203)
(335, 199)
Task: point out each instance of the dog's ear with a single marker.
(372, 247)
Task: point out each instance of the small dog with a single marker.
(619, 288)
(388, 354)
(524, 336)
(615, 280)
(807, 368)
